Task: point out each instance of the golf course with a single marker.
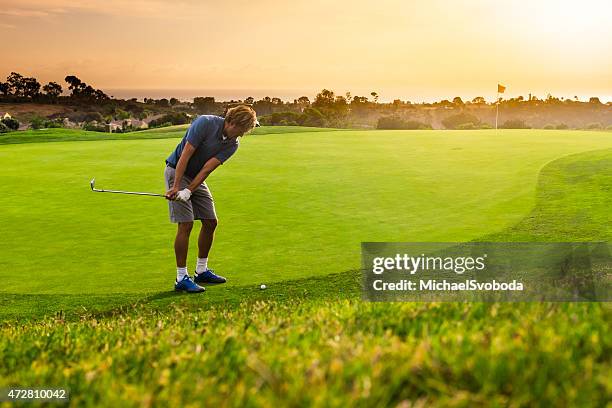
(87, 300)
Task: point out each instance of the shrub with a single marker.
(4, 128)
(95, 127)
(92, 116)
(515, 124)
(453, 121)
(485, 126)
(174, 118)
(53, 123)
(466, 126)
(609, 127)
(395, 122)
(37, 123)
(11, 123)
(594, 125)
(286, 122)
(561, 126)
(312, 117)
(281, 118)
(549, 127)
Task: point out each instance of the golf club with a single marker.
(93, 188)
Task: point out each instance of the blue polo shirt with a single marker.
(206, 135)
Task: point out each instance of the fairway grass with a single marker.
(290, 205)
(309, 339)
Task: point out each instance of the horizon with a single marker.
(421, 51)
(288, 95)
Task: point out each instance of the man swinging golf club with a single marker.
(209, 142)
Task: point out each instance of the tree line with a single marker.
(19, 88)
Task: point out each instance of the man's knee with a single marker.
(210, 225)
(184, 228)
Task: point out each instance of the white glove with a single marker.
(183, 195)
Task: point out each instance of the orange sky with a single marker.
(412, 49)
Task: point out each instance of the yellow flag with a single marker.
(500, 88)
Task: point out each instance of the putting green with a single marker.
(290, 205)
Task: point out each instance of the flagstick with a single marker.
(496, 109)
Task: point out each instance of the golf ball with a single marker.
(262, 286)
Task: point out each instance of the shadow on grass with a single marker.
(34, 307)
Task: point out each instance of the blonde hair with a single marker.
(242, 116)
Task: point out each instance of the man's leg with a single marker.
(205, 240)
(181, 243)
(181, 246)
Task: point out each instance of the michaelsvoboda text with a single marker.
(444, 285)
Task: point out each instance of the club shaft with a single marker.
(129, 192)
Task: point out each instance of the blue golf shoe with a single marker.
(187, 285)
(208, 276)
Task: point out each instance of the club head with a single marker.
(92, 183)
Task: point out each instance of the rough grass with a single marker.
(303, 352)
(313, 342)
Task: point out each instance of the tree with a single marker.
(249, 100)
(312, 117)
(80, 90)
(479, 100)
(163, 102)
(374, 96)
(277, 101)
(324, 99)
(303, 101)
(173, 101)
(594, 100)
(74, 84)
(100, 95)
(5, 88)
(340, 103)
(359, 104)
(457, 101)
(204, 104)
(15, 83)
(31, 87)
(53, 90)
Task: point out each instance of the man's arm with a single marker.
(208, 168)
(180, 170)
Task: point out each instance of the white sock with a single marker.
(181, 273)
(202, 265)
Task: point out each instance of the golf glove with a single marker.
(184, 195)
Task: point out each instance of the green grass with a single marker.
(295, 223)
(290, 205)
(69, 135)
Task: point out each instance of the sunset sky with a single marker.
(409, 49)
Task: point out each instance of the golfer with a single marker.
(209, 141)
